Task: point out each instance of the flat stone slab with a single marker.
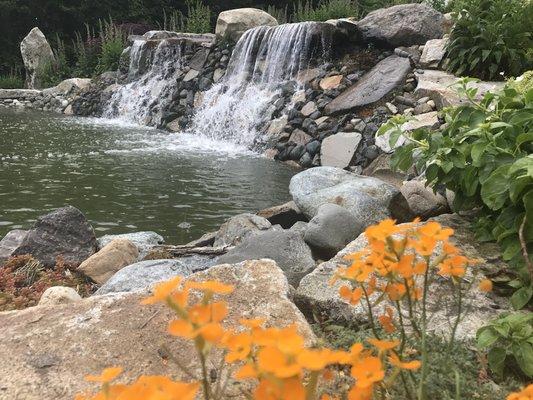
(438, 86)
(19, 94)
(338, 150)
(386, 76)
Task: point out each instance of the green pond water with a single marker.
(128, 178)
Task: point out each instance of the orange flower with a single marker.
(163, 290)
(386, 321)
(182, 328)
(410, 365)
(368, 371)
(395, 291)
(239, 346)
(485, 285)
(352, 296)
(381, 231)
(383, 345)
(288, 389)
(252, 323)
(358, 393)
(525, 394)
(454, 266)
(424, 246)
(273, 361)
(435, 230)
(316, 360)
(107, 375)
(211, 287)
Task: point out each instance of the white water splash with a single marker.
(142, 101)
(263, 59)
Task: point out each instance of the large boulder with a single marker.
(317, 296)
(232, 24)
(386, 76)
(36, 55)
(368, 199)
(287, 248)
(10, 242)
(339, 150)
(439, 87)
(45, 352)
(64, 233)
(234, 230)
(402, 25)
(433, 53)
(144, 241)
(110, 259)
(331, 229)
(143, 275)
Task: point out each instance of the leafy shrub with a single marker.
(113, 40)
(58, 70)
(197, 20)
(281, 14)
(523, 83)
(86, 53)
(326, 9)
(490, 39)
(509, 336)
(484, 155)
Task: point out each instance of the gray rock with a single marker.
(300, 227)
(433, 53)
(232, 24)
(36, 54)
(309, 109)
(339, 150)
(368, 199)
(299, 137)
(285, 215)
(143, 275)
(235, 229)
(11, 241)
(144, 241)
(64, 232)
(387, 75)
(438, 86)
(317, 296)
(423, 201)
(287, 248)
(381, 168)
(331, 229)
(402, 25)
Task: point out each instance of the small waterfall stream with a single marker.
(263, 59)
(142, 101)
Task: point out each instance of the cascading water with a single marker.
(263, 59)
(144, 99)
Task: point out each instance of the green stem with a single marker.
(423, 375)
(310, 391)
(458, 318)
(370, 314)
(205, 377)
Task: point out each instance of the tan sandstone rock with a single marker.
(46, 351)
(110, 259)
(59, 295)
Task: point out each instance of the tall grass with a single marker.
(197, 19)
(86, 53)
(12, 80)
(326, 9)
(281, 14)
(112, 42)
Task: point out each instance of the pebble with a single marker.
(392, 108)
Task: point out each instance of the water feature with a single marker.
(263, 59)
(144, 98)
(128, 178)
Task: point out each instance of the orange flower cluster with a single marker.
(145, 388)
(525, 394)
(396, 261)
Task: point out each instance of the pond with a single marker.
(128, 178)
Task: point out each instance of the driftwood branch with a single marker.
(186, 250)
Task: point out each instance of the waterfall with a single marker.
(152, 74)
(263, 59)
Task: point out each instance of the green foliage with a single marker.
(509, 337)
(113, 40)
(490, 38)
(86, 53)
(326, 9)
(281, 14)
(484, 155)
(54, 72)
(12, 80)
(523, 83)
(197, 20)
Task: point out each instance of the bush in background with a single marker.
(12, 80)
(113, 40)
(491, 38)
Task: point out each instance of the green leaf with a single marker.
(486, 337)
(494, 190)
(523, 354)
(521, 297)
(496, 358)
